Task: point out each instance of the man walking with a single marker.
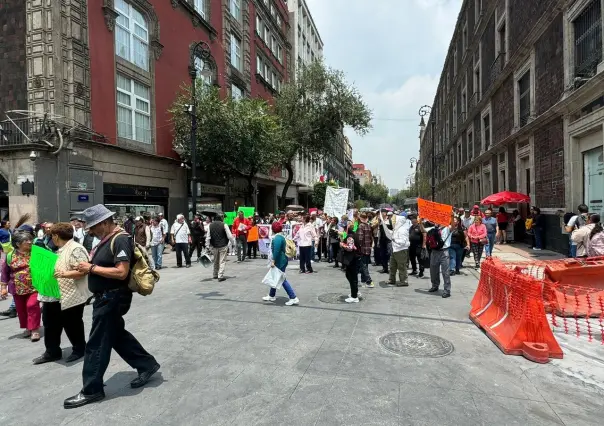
(217, 239)
(366, 238)
(165, 229)
(439, 241)
(181, 237)
(198, 236)
(241, 226)
(108, 275)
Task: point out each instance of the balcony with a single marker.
(497, 66)
(21, 131)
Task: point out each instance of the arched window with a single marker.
(131, 35)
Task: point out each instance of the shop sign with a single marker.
(135, 190)
(83, 198)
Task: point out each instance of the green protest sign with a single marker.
(42, 266)
(247, 211)
(229, 217)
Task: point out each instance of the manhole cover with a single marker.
(413, 343)
(334, 298)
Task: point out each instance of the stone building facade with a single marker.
(519, 108)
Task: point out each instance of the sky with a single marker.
(394, 56)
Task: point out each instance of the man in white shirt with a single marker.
(181, 238)
(165, 228)
(439, 261)
(576, 222)
(78, 229)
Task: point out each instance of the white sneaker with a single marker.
(359, 295)
(294, 301)
(269, 299)
(352, 300)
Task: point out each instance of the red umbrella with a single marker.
(506, 197)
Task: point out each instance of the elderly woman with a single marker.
(66, 313)
(16, 278)
(279, 260)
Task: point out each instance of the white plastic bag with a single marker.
(274, 278)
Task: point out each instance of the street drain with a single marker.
(333, 298)
(415, 344)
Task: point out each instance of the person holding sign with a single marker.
(241, 227)
(16, 278)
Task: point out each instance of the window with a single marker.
(259, 68)
(486, 131)
(236, 92)
(280, 53)
(199, 67)
(470, 139)
(454, 62)
(279, 20)
(259, 25)
(477, 11)
(235, 52)
(133, 110)
(501, 37)
(236, 9)
(199, 6)
(524, 92)
(267, 34)
(464, 39)
(587, 40)
(272, 10)
(131, 35)
(477, 82)
(266, 72)
(273, 45)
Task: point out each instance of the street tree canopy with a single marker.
(374, 193)
(234, 138)
(318, 193)
(313, 111)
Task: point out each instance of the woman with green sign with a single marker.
(16, 278)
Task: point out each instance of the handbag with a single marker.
(483, 241)
(274, 278)
(424, 258)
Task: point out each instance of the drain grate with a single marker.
(333, 298)
(416, 344)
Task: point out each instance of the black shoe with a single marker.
(80, 400)
(188, 266)
(383, 271)
(433, 290)
(451, 273)
(336, 266)
(446, 294)
(221, 279)
(74, 357)
(413, 273)
(144, 377)
(420, 275)
(10, 312)
(44, 358)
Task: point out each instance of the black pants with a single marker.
(55, 321)
(108, 332)
(196, 244)
(252, 246)
(335, 249)
(305, 265)
(376, 251)
(415, 252)
(352, 275)
(384, 254)
(182, 248)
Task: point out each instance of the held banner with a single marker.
(336, 201)
(247, 211)
(264, 239)
(42, 267)
(434, 212)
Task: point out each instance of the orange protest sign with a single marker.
(434, 212)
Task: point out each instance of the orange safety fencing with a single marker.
(513, 301)
(509, 307)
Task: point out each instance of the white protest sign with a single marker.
(336, 201)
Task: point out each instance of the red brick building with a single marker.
(519, 108)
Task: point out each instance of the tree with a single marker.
(375, 193)
(313, 111)
(359, 204)
(234, 138)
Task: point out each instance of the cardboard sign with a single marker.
(434, 212)
(264, 246)
(264, 231)
(336, 201)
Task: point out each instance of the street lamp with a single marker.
(200, 50)
(424, 111)
(413, 161)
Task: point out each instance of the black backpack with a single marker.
(567, 217)
(434, 239)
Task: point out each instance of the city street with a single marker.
(229, 358)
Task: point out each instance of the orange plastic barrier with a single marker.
(509, 307)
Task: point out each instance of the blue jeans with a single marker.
(490, 244)
(286, 286)
(538, 232)
(455, 256)
(160, 255)
(364, 269)
(573, 250)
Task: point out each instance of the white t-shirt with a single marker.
(164, 226)
(181, 235)
(571, 224)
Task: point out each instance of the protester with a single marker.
(477, 234)
(384, 242)
(217, 240)
(78, 229)
(306, 238)
(15, 278)
(417, 242)
(65, 313)
(595, 245)
(399, 258)
(181, 237)
(198, 236)
(241, 227)
(576, 222)
(279, 260)
(252, 238)
(491, 223)
(142, 233)
(108, 275)
(582, 236)
(334, 242)
(350, 258)
(459, 242)
(439, 241)
(366, 240)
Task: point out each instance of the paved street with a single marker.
(229, 358)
